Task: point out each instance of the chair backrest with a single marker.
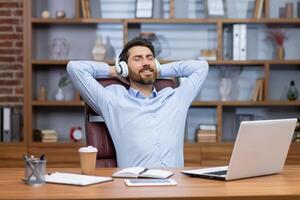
(97, 133)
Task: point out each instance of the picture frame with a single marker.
(144, 8)
(215, 8)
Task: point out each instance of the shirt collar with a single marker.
(139, 95)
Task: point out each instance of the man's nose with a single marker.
(146, 62)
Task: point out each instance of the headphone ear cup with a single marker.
(118, 68)
(158, 66)
(124, 68)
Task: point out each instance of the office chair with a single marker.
(97, 134)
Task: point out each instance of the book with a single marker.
(257, 13)
(7, 136)
(258, 92)
(88, 9)
(239, 41)
(282, 12)
(289, 10)
(236, 41)
(16, 129)
(255, 91)
(83, 8)
(261, 90)
(142, 172)
(243, 42)
(75, 179)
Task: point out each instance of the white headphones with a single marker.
(122, 68)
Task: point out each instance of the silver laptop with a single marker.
(260, 148)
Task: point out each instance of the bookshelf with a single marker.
(210, 33)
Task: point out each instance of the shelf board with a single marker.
(74, 21)
(223, 143)
(57, 103)
(4, 144)
(262, 21)
(47, 62)
(11, 104)
(66, 144)
(172, 21)
(254, 62)
(58, 63)
(236, 62)
(284, 62)
(164, 21)
(245, 103)
(213, 20)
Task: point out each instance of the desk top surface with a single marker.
(285, 185)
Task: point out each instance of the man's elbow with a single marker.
(203, 65)
(71, 66)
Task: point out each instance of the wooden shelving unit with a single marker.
(195, 153)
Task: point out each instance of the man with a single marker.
(146, 126)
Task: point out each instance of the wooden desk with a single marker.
(281, 186)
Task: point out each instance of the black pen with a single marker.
(146, 169)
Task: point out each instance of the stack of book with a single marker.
(44, 135)
(258, 92)
(49, 136)
(85, 8)
(208, 54)
(207, 133)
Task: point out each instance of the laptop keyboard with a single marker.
(223, 172)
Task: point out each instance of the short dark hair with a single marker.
(138, 41)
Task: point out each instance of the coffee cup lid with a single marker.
(88, 149)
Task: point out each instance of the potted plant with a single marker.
(63, 82)
(278, 37)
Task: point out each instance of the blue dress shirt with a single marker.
(146, 131)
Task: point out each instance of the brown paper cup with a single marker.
(88, 162)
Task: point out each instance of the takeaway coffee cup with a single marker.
(88, 159)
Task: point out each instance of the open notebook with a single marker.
(141, 172)
(75, 179)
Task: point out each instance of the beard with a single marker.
(141, 78)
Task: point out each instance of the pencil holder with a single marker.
(35, 170)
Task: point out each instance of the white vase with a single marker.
(225, 88)
(99, 50)
(59, 95)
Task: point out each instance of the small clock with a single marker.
(76, 134)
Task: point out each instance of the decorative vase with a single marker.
(59, 95)
(59, 49)
(42, 95)
(225, 88)
(99, 50)
(292, 93)
(280, 52)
